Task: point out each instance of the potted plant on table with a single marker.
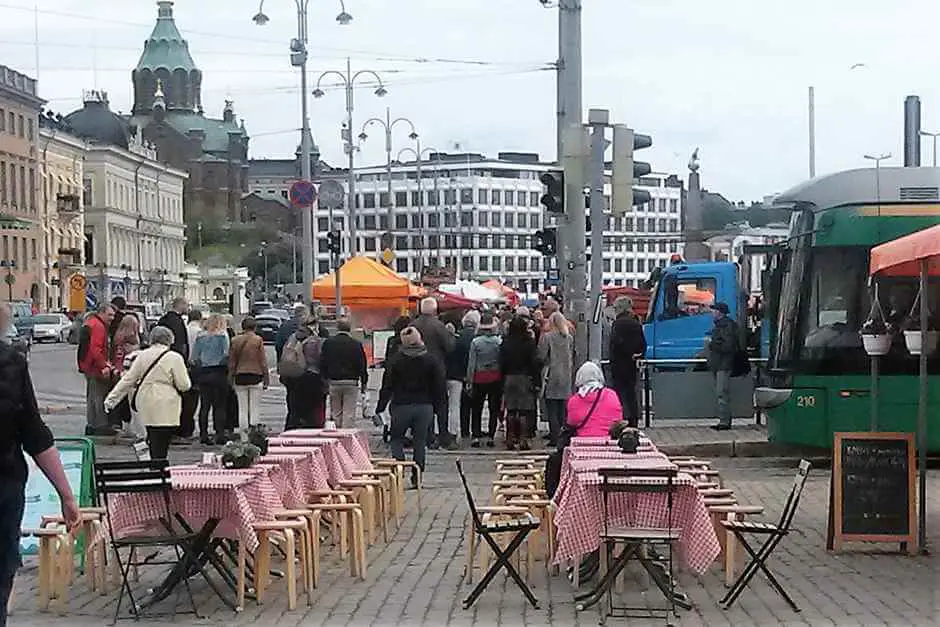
(239, 454)
(616, 429)
(629, 440)
(258, 435)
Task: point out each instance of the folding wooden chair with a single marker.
(521, 527)
(774, 534)
(637, 541)
(145, 477)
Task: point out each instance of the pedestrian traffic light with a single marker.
(625, 170)
(545, 241)
(333, 242)
(554, 197)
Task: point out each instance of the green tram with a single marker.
(818, 295)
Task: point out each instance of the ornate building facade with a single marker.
(168, 108)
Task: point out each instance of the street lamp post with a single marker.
(873, 415)
(878, 159)
(934, 137)
(263, 252)
(388, 124)
(298, 58)
(349, 81)
(418, 153)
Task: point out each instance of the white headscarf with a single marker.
(590, 377)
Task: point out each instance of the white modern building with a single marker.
(477, 216)
(730, 247)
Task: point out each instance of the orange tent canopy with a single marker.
(902, 256)
(364, 282)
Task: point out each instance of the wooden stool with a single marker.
(727, 539)
(355, 534)
(399, 465)
(289, 529)
(313, 538)
(96, 546)
(370, 493)
(501, 495)
(543, 510)
(55, 563)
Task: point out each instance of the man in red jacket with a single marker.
(93, 352)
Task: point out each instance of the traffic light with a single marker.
(625, 170)
(333, 242)
(554, 197)
(545, 241)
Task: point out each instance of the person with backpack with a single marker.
(284, 333)
(93, 362)
(300, 361)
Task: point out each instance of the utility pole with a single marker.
(598, 119)
(571, 231)
(812, 132)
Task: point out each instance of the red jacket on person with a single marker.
(95, 359)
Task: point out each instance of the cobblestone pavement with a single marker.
(416, 578)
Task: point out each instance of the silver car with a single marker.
(51, 327)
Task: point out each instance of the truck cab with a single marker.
(680, 315)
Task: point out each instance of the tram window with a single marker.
(839, 300)
(688, 297)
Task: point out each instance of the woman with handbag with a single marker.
(556, 354)
(156, 380)
(592, 409)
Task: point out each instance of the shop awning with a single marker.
(902, 257)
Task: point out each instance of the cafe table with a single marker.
(355, 441)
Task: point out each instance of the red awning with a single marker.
(902, 257)
(447, 301)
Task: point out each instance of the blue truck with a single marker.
(680, 316)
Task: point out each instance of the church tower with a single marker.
(166, 65)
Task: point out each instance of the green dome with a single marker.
(166, 48)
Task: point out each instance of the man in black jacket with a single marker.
(721, 349)
(413, 385)
(22, 429)
(627, 344)
(173, 320)
(343, 365)
(439, 343)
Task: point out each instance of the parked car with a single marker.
(260, 306)
(51, 327)
(267, 326)
(283, 314)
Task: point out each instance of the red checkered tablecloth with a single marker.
(356, 442)
(307, 469)
(601, 457)
(579, 517)
(238, 499)
(337, 461)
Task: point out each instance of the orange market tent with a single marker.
(365, 284)
(914, 255)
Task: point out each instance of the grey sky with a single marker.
(729, 76)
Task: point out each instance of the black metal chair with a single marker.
(521, 527)
(150, 477)
(774, 534)
(639, 542)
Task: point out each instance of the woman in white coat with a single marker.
(155, 383)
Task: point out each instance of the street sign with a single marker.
(91, 301)
(332, 194)
(552, 276)
(388, 256)
(78, 282)
(302, 194)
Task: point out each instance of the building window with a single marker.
(467, 263)
(370, 244)
(322, 245)
(618, 265)
(21, 126)
(401, 221)
(23, 187)
(628, 265)
(662, 225)
(510, 221)
(401, 199)
(482, 219)
(523, 264)
(662, 247)
(433, 221)
(510, 264)
(533, 199)
(368, 201)
(13, 197)
(466, 195)
(433, 242)
(509, 199)
(433, 198)
(401, 242)
(416, 221)
(3, 120)
(673, 205)
(497, 197)
(323, 224)
(521, 198)
(497, 264)
(535, 220)
(673, 225)
(401, 264)
(484, 264)
(383, 222)
(284, 194)
(12, 125)
(466, 219)
(3, 182)
(370, 223)
(29, 129)
(32, 189)
(651, 225)
(497, 219)
(536, 263)
(641, 265)
(416, 199)
(450, 241)
(522, 221)
(483, 196)
(450, 197)
(384, 199)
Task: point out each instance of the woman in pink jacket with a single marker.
(589, 383)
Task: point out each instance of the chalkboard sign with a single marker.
(872, 495)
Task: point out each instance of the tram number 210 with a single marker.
(806, 401)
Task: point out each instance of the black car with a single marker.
(267, 327)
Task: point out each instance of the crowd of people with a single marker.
(189, 368)
(518, 364)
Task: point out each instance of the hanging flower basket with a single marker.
(876, 337)
(912, 340)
